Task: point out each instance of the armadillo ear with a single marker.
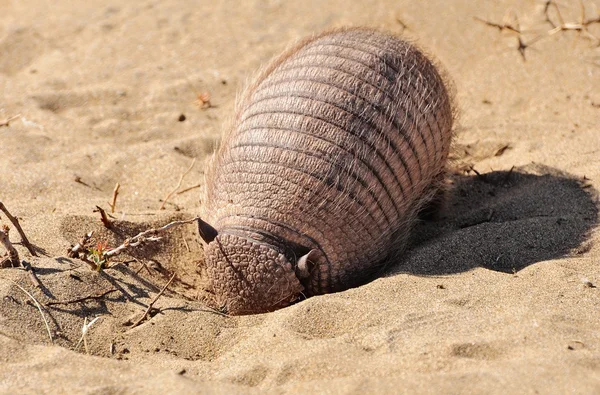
(207, 232)
(306, 263)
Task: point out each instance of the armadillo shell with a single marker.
(334, 148)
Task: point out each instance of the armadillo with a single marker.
(332, 152)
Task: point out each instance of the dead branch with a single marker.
(103, 217)
(581, 26)
(148, 235)
(77, 249)
(81, 251)
(143, 317)
(516, 28)
(113, 202)
(143, 266)
(85, 298)
(500, 27)
(8, 120)
(162, 206)
(188, 189)
(16, 224)
(35, 281)
(13, 256)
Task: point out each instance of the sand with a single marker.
(500, 294)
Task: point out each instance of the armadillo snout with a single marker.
(249, 277)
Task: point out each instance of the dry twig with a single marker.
(143, 266)
(78, 180)
(113, 202)
(162, 206)
(39, 307)
(79, 248)
(85, 298)
(581, 26)
(32, 276)
(8, 120)
(15, 222)
(514, 27)
(152, 302)
(148, 235)
(501, 27)
(93, 256)
(12, 257)
(103, 217)
(188, 189)
(98, 257)
(84, 329)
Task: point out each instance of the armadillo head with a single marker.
(248, 276)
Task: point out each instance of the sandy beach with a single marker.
(500, 294)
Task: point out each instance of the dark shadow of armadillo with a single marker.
(503, 221)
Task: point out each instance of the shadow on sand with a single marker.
(503, 221)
